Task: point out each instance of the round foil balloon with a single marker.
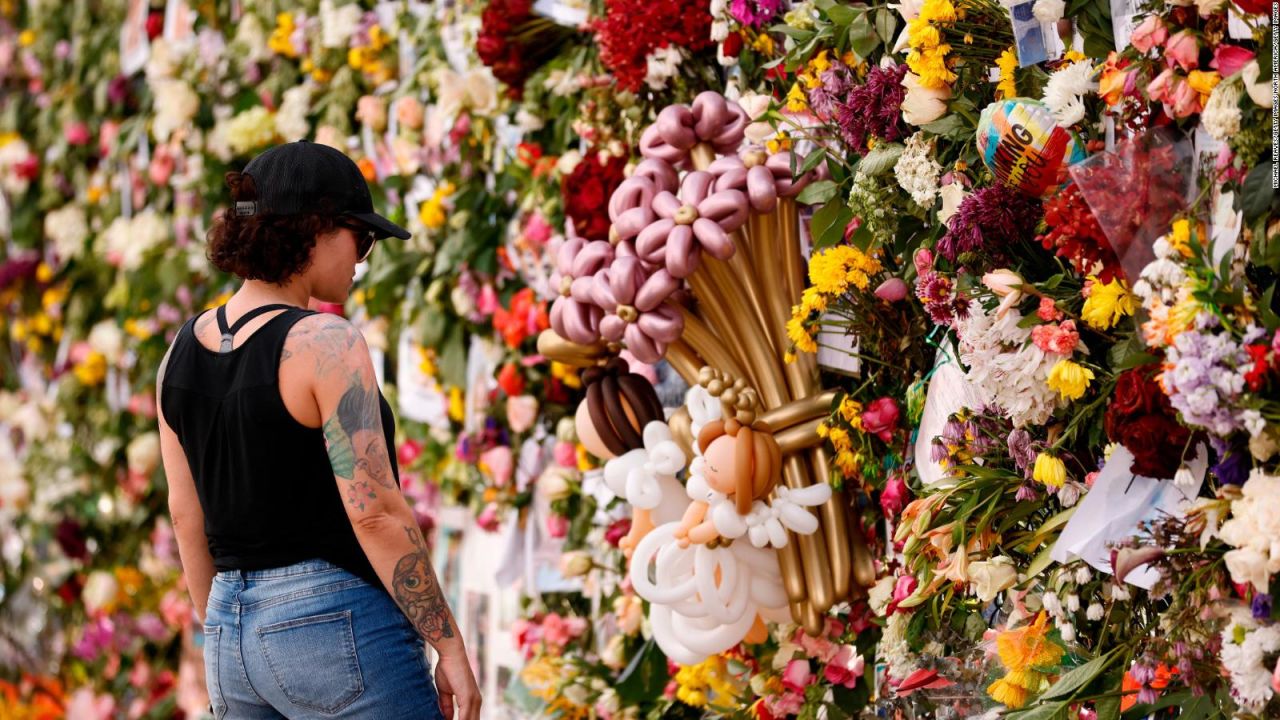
(1024, 147)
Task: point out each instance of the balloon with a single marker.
(1025, 148)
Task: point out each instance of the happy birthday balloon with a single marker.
(1024, 147)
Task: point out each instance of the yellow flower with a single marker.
(92, 370)
(941, 10)
(1008, 63)
(851, 411)
(457, 405)
(839, 438)
(378, 38)
(811, 300)
(799, 335)
(834, 269)
(1049, 470)
(789, 357)
(1029, 647)
(921, 34)
(796, 101)
(280, 41)
(18, 330)
(44, 273)
(780, 142)
(1073, 56)
(1107, 303)
(53, 296)
(1180, 237)
(1069, 379)
(848, 463)
(357, 57)
(1203, 82)
(820, 62)
(27, 38)
(1007, 694)
(763, 44)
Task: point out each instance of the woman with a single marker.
(282, 487)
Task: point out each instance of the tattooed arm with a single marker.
(346, 394)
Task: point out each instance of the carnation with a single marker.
(1011, 379)
(1064, 93)
(632, 29)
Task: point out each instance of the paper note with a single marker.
(1122, 21)
(1113, 508)
(949, 392)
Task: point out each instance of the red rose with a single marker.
(586, 193)
(618, 530)
(732, 45)
(155, 25)
(1130, 396)
(1255, 376)
(1156, 441)
(881, 418)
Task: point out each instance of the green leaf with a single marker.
(1129, 354)
(829, 223)
(886, 23)
(1052, 711)
(951, 126)
(817, 193)
(645, 676)
(1257, 193)
(862, 37)
(842, 14)
(1041, 562)
(880, 159)
(1071, 683)
(812, 161)
(1108, 708)
(794, 33)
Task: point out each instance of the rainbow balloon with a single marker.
(1024, 147)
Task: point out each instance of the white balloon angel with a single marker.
(646, 478)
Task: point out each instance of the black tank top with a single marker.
(264, 479)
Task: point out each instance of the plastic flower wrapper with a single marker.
(1135, 191)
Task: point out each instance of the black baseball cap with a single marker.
(306, 177)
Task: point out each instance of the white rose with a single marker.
(1247, 565)
(553, 484)
(144, 454)
(990, 578)
(107, 338)
(575, 564)
(880, 594)
(99, 589)
(481, 90)
(923, 105)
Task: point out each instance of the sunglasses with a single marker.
(365, 238)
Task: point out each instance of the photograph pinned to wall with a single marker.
(180, 23)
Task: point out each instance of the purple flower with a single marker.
(1232, 467)
(1261, 606)
(827, 99)
(1026, 492)
(754, 13)
(874, 109)
(991, 219)
(1206, 377)
(1020, 449)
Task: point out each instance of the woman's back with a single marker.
(264, 479)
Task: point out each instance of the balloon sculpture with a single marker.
(702, 266)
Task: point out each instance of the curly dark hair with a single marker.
(265, 246)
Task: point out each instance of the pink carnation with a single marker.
(1061, 339)
(1047, 311)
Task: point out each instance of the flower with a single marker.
(662, 64)
(989, 578)
(1253, 530)
(917, 172)
(1230, 59)
(952, 194)
(1221, 114)
(754, 13)
(1008, 64)
(575, 564)
(1064, 92)
(1070, 379)
(1107, 303)
(68, 229)
(873, 109)
(923, 104)
(1062, 339)
(1150, 33)
(1049, 470)
(991, 219)
(1140, 418)
(175, 103)
(892, 290)
(586, 191)
(797, 675)
(1183, 50)
(833, 270)
(846, 668)
(252, 129)
(881, 418)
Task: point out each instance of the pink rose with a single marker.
(76, 133)
(1149, 34)
(1183, 50)
(575, 625)
(894, 496)
(881, 417)
(498, 464)
(1160, 89)
(1230, 59)
(557, 525)
(409, 112)
(409, 451)
(488, 302)
(784, 705)
(372, 112)
(819, 648)
(1186, 101)
(566, 454)
(892, 290)
(797, 676)
(522, 411)
(488, 518)
(537, 230)
(525, 634)
(845, 668)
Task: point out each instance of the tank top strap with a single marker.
(228, 332)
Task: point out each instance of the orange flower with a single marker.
(1130, 687)
(1029, 647)
(367, 169)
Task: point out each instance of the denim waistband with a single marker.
(305, 567)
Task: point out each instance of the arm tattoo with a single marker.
(417, 592)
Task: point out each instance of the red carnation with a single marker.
(586, 194)
(632, 29)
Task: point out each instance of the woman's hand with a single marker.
(457, 687)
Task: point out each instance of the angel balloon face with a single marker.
(741, 461)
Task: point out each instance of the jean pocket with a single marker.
(313, 660)
(212, 647)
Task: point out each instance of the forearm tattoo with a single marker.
(417, 592)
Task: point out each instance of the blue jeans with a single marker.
(311, 640)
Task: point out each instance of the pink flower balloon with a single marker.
(701, 218)
(574, 316)
(630, 206)
(711, 119)
(635, 308)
